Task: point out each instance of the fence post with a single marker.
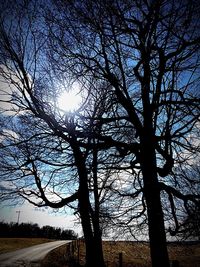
(174, 263)
(72, 248)
(78, 252)
(68, 250)
(120, 259)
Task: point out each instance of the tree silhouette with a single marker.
(29, 230)
(147, 54)
(48, 153)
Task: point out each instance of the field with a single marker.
(11, 244)
(134, 254)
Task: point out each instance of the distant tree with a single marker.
(33, 230)
(68, 234)
(4, 229)
(26, 230)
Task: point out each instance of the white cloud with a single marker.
(11, 88)
(5, 97)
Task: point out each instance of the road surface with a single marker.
(29, 257)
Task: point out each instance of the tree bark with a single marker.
(92, 235)
(157, 235)
(96, 215)
(93, 241)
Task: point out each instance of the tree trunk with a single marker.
(157, 235)
(93, 242)
(99, 250)
(87, 231)
(95, 215)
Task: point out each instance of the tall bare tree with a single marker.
(48, 156)
(148, 52)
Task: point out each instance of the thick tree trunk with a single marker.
(93, 241)
(157, 235)
(87, 231)
(99, 250)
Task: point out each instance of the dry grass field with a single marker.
(134, 254)
(11, 244)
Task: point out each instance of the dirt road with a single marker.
(29, 257)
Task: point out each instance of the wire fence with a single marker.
(74, 258)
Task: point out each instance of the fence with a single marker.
(73, 257)
(73, 253)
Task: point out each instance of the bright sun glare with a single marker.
(69, 101)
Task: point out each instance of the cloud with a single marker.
(5, 98)
(12, 91)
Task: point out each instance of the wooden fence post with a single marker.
(120, 259)
(78, 252)
(174, 263)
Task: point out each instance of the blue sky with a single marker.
(28, 212)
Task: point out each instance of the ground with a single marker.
(134, 254)
(12, 244)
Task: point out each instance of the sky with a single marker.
(31, 214)
(28, 212)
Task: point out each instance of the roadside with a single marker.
(131, 254)
(12, 244)
(126, 253)
(30, 255)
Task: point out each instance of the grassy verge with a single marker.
(12, 244)
(56, 258)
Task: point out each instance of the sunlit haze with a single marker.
(70, 100)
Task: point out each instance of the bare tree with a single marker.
(49, 157)
(148, 52)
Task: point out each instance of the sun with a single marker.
(70, 101)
